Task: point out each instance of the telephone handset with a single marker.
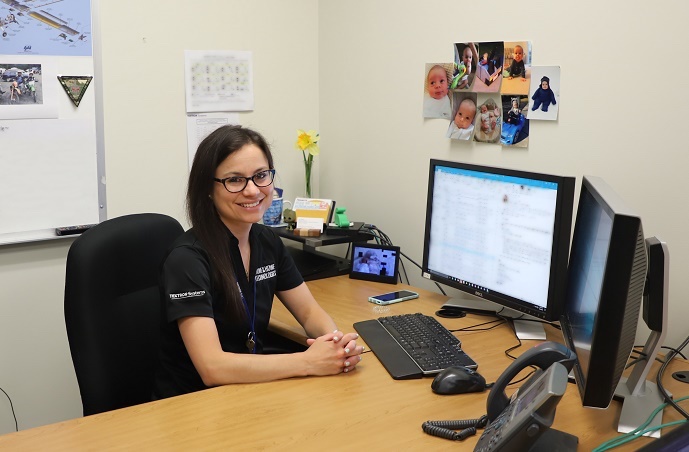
(541, 356)
(519, 424)
(523, 423)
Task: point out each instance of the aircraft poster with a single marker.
(45, 27)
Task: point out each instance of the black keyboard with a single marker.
(413, 345)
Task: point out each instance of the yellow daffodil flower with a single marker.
(308, 141)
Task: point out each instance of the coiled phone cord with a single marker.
(446, 429)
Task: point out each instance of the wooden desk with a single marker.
(365, 409)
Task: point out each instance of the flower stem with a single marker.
(308, 162)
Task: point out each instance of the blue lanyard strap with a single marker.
(251, 337)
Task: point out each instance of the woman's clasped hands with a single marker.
(333, 353)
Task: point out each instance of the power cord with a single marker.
(640, 430)
(659, 377)
(383, 239)
(16, 425)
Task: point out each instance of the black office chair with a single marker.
(113, 308)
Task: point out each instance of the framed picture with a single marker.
(375, 262)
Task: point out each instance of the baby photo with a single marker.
(515, 126)
(466, 58)
(436, 99)
(488, 120)
(489, 67)
(544, 93)
(517, 70)
(463, 114)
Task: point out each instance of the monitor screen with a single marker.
(607, 271)
(499, 234)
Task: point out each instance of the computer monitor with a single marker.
(607, 274)
(502, 236)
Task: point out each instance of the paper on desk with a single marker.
(200, 125)
(310, 223)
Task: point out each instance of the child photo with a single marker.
(466, 58)
(488, 120)
(463, 115)
(436, 98)
(544, 93)
(517, 69)
(489, 67)
(515, 126)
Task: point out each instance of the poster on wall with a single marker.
(57, 27)
(219, 81)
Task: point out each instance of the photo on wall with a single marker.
(515, 127)
(489, 67)
(436, 97)
(545, 93)
(28, 87)
(466, 58)
(463, 114)
(487, 124)
(20, 83)
(517, 72)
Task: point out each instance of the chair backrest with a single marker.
(113, 308)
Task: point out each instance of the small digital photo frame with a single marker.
(375, 262)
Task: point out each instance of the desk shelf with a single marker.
(326, 238)
(314, 264)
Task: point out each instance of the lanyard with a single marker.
(251, 337)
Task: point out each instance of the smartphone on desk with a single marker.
(393, 297)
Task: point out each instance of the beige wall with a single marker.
(617, 101)
(146, 160)
(354, 70)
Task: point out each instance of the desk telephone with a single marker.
(522, 422)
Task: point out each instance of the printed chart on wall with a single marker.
(219, 81)
(49, 160)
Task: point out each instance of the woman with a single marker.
(220, 277)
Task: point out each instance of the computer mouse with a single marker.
(458, 380)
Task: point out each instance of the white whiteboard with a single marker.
(52, 170)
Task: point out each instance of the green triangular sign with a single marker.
(75, 86)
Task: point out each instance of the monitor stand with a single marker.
(526, 327)
(642, 397)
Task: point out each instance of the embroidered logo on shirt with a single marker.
(196, 293)
(265, 272)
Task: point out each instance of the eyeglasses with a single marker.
(235, 184)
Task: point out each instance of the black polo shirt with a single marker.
(189, 290)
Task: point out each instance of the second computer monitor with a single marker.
(499, 234)
(607, 272)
